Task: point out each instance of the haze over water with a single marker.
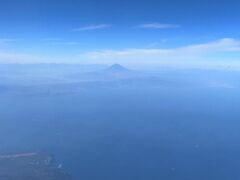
(120, 89)
(128, 129)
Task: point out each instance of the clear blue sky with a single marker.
(105, 31)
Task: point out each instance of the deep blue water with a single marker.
(181, 133)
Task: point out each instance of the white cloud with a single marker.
(158, 26)
(196, 50)
(92, 27)
(206, 54)
(222, 53)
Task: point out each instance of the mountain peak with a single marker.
(117, 68)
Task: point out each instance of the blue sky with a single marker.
(186, 33)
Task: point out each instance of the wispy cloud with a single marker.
(206, 54)
(158, 26)
(92, 27)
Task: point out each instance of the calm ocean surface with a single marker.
(129, 133)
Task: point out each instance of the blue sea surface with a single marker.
(116, 133)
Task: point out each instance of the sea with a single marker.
(125, 132)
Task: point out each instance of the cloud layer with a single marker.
(209, 53)
(222, 53)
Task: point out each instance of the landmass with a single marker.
(30, 166)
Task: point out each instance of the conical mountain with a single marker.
(117, 69)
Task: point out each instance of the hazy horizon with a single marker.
(119, 89)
